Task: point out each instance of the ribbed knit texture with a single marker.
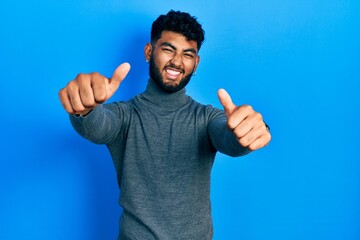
(163, 147)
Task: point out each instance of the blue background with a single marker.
(296, 62)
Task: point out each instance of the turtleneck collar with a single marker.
(160, 98)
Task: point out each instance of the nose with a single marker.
(177, 59)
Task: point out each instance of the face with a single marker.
(173, 60)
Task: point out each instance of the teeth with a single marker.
(172, 72)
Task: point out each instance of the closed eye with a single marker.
(168, 50)
(188, 55)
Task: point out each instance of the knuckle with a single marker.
(76, 105)
(71, 86)
(269, 137)
(263, 128)
(100, 95)
(253, 147)
(94, 75)
(237, 132)
(80, 76)
(231, 125)
(259, 116)
(97, 77)
(240, 131)
(73, 99)
(79, 108)
(243, 142)
(247, 108)
(61, 93)
(83, 79)
(250, 138)
(87, 103)
(100, 99)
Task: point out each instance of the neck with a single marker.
(163, 99)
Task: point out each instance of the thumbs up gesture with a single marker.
(246, 124)
(86, 91)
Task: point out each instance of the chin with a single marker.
(167, 85)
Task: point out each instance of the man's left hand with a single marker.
(247, 124)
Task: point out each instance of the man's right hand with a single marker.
(87, 91)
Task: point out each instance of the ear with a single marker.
(148, 51)
(197, 61)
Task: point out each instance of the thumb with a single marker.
(226, 102)
(118, 76)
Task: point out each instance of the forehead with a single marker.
(176, 39)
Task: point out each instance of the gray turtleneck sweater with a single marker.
(163, 147)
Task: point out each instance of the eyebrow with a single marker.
(167, 44)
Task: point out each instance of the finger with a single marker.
(238, 115)
(246, 120)
(260, 142)
(226, 102)
(100, 91)
(255, 138)
(242, 129)
(64, 99)
(86, 94)
(99, 86)
(75, 100)
(118, 76)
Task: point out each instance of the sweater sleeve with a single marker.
(103, 124)
(222, 138)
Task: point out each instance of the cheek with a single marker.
(160, 61)
(190, 66)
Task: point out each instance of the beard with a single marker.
(155, 75)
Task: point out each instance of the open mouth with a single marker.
(173, 73)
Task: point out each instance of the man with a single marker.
(162, 142)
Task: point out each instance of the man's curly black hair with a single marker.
(179, 22)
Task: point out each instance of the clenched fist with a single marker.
(86, 91)
(247, 125)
